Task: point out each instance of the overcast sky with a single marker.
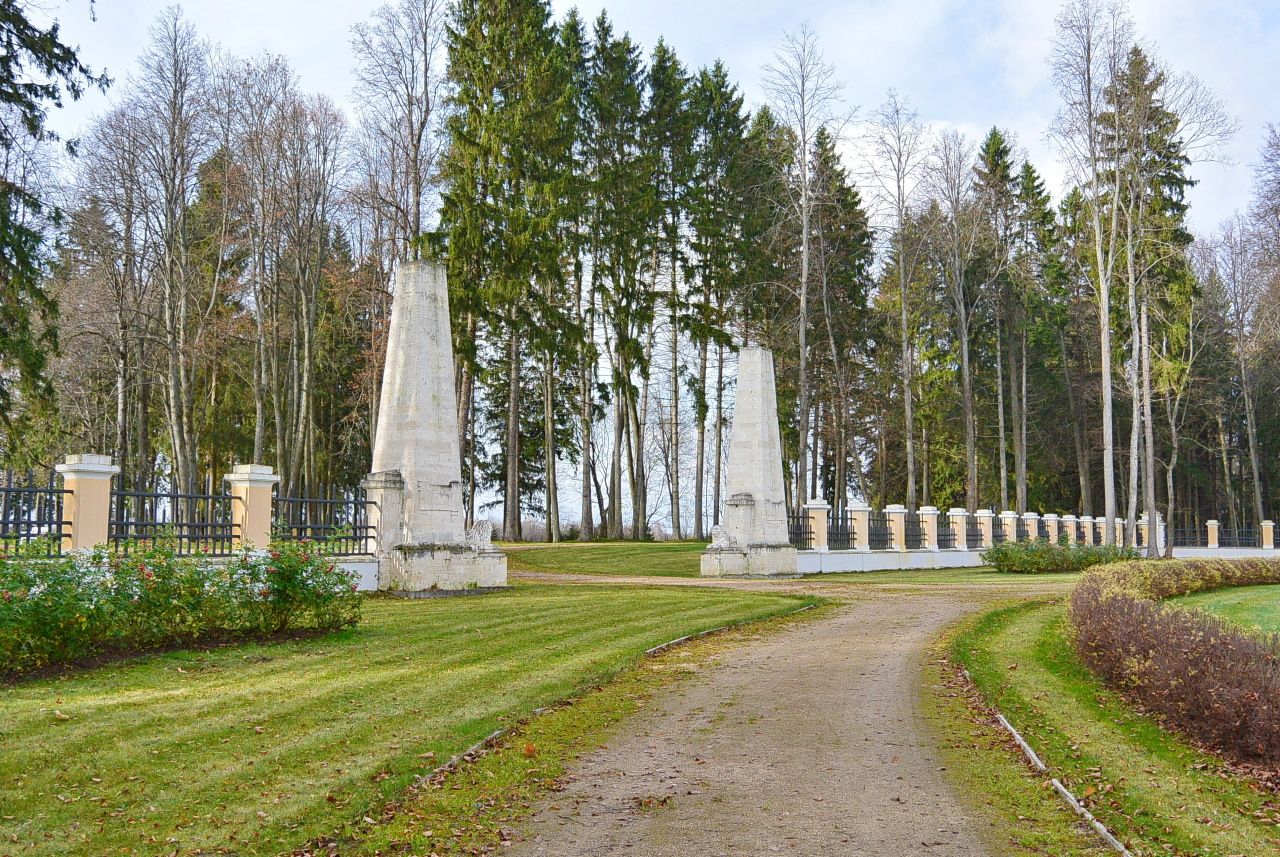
(970, 64)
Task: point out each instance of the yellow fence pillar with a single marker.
(1212, 527)
(929, 523)
(960, 526)
(87, 509)
(896, 515)
(860, 518)
(251, 486)
(1069, 527)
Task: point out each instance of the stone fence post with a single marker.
(87, 509)
(1268, 535)
(1069, 527)
(1053, 526)
(960, 527)
(1031, 521)
(818, 511)
(896, 515)
(1086, 529)
(1008, 523)
(251, 486)
(1212, 527)
(1144, 530)
(860, 520)
(929, 522)
(986, 522)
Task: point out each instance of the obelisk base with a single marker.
(441, 568)
(751, 561)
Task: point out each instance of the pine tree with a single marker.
(509, 140)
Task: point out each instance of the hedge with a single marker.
(1211, 679)
(55, 611)
(1041, 556)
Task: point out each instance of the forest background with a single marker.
(615, 225)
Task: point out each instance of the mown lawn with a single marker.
(656, 559)
(257, 749)
(1255, 607)
(1153, 790)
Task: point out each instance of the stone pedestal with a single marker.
(415, 489)
(753, 540)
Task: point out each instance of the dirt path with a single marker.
(809, 742)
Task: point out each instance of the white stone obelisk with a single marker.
(415, 489)
(753, 540)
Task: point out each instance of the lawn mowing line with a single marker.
(688, 637)
(489, 740)
(1062, 790)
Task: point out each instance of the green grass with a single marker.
(1152, 789)
(656, 559)
(1026, 817)
(1253, 607)
(480, 805)
(951, 576)
(258, 749)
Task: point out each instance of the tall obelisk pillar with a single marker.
(753, 540)
(415, 489)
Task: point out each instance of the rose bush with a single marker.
(57, 610)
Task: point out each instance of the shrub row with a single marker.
(1213, 680)
(59, 610)
(1042, 556)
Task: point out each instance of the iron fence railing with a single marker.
(800, 530)
(1241, 538)
(340, 526)
(878, 534)
(1190, 537)
(192, 523)
(31, 516)
(946, 536)
(972, 533)
(1023, 532)
(912, 532)
(840, 532)
(997, 532)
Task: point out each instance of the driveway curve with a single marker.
(806, 742)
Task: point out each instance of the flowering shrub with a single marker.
(57, 610)
(1213, 680)
(1044, 557)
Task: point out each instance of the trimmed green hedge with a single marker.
(1044, 557)
(59, 610)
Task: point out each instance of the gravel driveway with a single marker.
(806, 742)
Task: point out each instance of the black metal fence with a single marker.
(192, 523)
(1191, 537)
(340, 525)
(840, 533)
(31, 517)
(913, 531)
(878, 534)
(946, 534)
(972, 533)
(800, 530)
(1242, 538)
